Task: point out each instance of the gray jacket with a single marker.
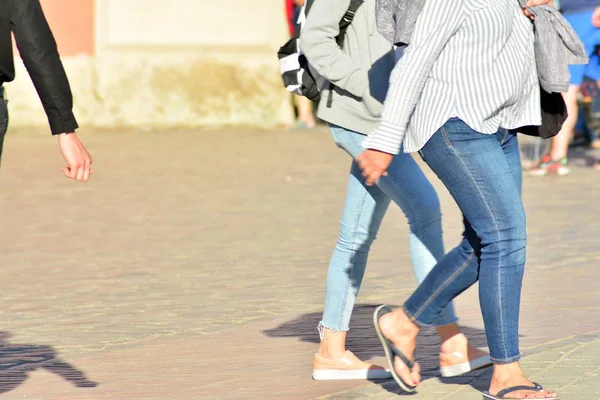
(360, 71)
(556, 43)
(556, 46)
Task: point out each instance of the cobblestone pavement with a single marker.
(193, 267)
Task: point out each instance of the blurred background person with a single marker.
(584, 16)
(304, 107)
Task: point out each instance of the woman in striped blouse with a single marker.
(467, 79)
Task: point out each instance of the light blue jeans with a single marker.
(365, 207)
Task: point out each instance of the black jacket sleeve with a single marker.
(40, 55)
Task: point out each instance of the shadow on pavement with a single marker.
(17, 360)
(362, 341)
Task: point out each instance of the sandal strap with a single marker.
(401, 356)
(536, 388)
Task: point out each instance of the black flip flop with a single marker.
(391, 351)
(502, 393)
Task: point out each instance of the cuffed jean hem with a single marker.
(424, 325)
(509, 360)
(321, 328)
(415, 321)
(439, 325)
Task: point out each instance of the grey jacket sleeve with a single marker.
(318, 44)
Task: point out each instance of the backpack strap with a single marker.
(344, 24)
(347, 20)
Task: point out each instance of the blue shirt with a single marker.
(569, 6)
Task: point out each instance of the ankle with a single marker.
(506, 373)
(331, 353)
(397, 322)
(454, 343)
(333, 344)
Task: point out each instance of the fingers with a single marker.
(67, 172)
(374, 177)
(533, 3)
(371, 173)
(79, 160)
(87, 164)
(83, 167)
(86, 174)
(80, 174)
(371, 169)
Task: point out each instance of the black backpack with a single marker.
(298, 77)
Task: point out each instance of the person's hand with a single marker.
(533, 3)
(374, 164)
(596, 17)
(79, 161)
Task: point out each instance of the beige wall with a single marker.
(176, 63)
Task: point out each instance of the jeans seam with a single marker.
(351, 267)
(445, 136)
(443, 286)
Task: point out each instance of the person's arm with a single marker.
(318, 44)
(39, 52)
(437, 23)
(40, 55)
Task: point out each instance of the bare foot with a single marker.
(399, 329)
(500, 381)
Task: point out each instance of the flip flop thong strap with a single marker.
(401, 355)
(536, 388)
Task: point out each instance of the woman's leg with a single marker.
(365, 206)
(408, 187)
(363, 212)
(480, 171)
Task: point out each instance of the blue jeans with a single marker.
(365, 207)
(483, 174)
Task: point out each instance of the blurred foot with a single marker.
(347, 367)
(303, 126)
(547, 166)
(458, 356)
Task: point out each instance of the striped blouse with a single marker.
(471, 59)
